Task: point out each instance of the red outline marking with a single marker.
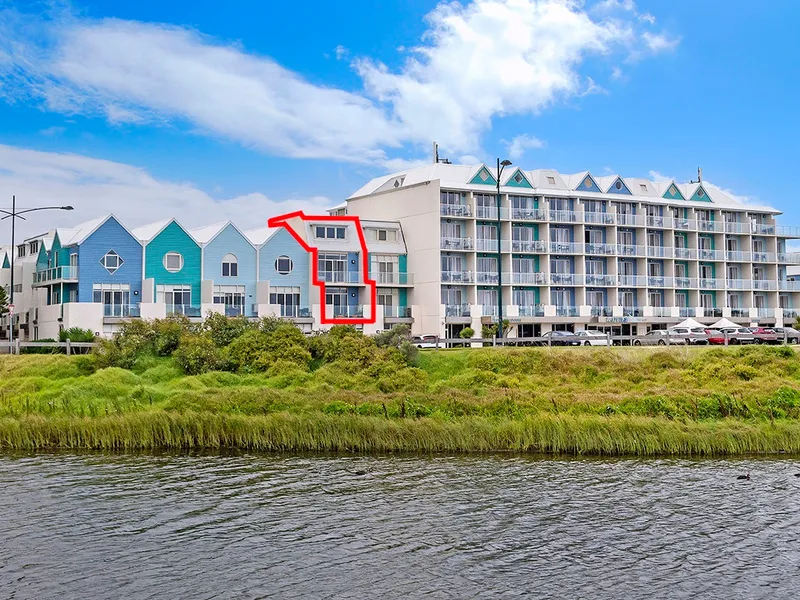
(280, 221)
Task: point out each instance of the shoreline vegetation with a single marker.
(170, 385)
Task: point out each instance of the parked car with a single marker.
(658, 337)
(559, 338)
(764, 335)
(716, 337)
(738, 335)
(791, 334)
(424, 341)
(693, 336)
(588, 337)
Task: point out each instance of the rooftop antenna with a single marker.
(435, 153)
(699, 175)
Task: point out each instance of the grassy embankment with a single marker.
(673, 401)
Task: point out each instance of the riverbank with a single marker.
(638, 402)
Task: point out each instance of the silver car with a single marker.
(659, 337)
(686, 335)
(739, 335)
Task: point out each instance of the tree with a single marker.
(3, 301)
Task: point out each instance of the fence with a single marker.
(16, 346)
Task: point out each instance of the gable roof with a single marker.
(204, 235)
(483, 176)
(146, 233)
(259, 237)
(511, 179)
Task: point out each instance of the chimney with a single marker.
(435, 153)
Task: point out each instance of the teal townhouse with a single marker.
(100, 273)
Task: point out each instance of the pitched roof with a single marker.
(145, 233)
(259, 237)
(205, 234)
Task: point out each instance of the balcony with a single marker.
(790, 313)
(531, 311)
(705, 254)
(599, 218)
(566, 311)
(490, 212)
(762, 229)
(563, 216)
(662, 311)
(537, 246)
(711, 284)
(346, 311)
(627, 250)
(685, 312)
(121, 311)
(487, 278)
(566, 248)
(339, 276)
(630, 220)
(602, 311)
(739, 284)
(528, 214)
(290, 311)
(787, 231)
(703, 225)
(659, 282)
(457, 310)
(659, 252)
(54, 275)
(600, 249)
(489, 310)
(458, 243)
(529, 278)
(600, 280)
(632, 311)
(631, 280)
(392, 278)
(736, 256)
(187, 310)
(740, 313)
(457, 277)
(397, 312)
(765, 313)
(685, 282)
(662, 222)
(790, 258)
(455, 210)
(566, 279)
(684, 224)
(736, 227)
(765, 284)
(789, 286)
(688, 253)
(489, 245)
(711, 313)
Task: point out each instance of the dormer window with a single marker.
(643, 187)
(329, 233)
(551, 180)
(34, 247)
(22, 250)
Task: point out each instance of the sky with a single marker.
(156, 109)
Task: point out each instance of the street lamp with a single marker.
(500, 166)
(15, 214)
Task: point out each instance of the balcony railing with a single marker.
(689, 253)
(762, 229)
(55, 274)
(626, 250)
(765, 313)
(566, 279)
(601, 218)
(392, 278)
(790, 313)
(462, 243)
(187, 310)
(397, 312)
(529, 278)
(739, 284)
(291, 311)
(764, 257)
(563, 216)
(600, 280)
(349, 311)
(737, 256)
(624, 219)
(662, 311)
(487, 277)
(631, 280)
(489, 310)
(455, 210)
(787, 231)
(457, 310)
(489, 245)
(632, 311)
(490, 212)
(457, 277)
(566, 248)
(600, 249)
(659, 282)
(703, 225)
(339, 276)
(711, 284)
(659, 252)
(602, 311)
(685, 224)
(740, 313)
(789, 286)
(531, 311)
(792, 258)
(715, 313)
(121, 311)
(685, 312)
(736, 227)
(765, 284)
(566, 311)
(655, 221)
(528, 214)
(528, 246)
(705, 254)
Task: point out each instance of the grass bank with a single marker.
(644, 402)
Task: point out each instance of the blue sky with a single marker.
(154, 109)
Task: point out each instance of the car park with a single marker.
(764, 335)
(790, 334)
(587, 337)
(738, 335)
(658, 337)
(715, 337)
(690, 335)
(559, 338)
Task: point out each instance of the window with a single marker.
(232, 297)
(655, 269)
(452, 263)
(21, 250)
(680, 270)
(34, 247)
(284, 265)
(551, 180)
(487, 265)
(487, 297)
(700, 193)
(178, 299)
(111, 261)
(643, 187)
(486, 232)
(656, 299)
(384, 267)
(524, 297)
(673, 191)
(523, 265)
(594, 236)
(329, 233)
(625, 237)
(706, 272)
(587, 183)
(230, 266)
(173, 262)
(115, 297)
(288, 298)
(618, 185)
(336, 298)
(453, 296)
(332, 267)
(595, 267)
(561, 235)
(518, 178)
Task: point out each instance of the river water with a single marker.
(251, 526)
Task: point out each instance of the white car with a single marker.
(591, 338)
(424, 341)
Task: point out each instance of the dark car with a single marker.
(559, 338)
(790, 334)
(764, 335)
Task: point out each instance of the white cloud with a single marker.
(616, 73)
(614, 5)
(647, 18)
(96, 187)
(52, 131)
(659, 178)
(477, 62)
(341, 52)
(517, 147)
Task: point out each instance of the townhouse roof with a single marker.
(145, 233)
(259, 237)
(205, 234)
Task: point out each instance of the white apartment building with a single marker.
(576, 252)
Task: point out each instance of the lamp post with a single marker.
(15, 214)
(500, 166)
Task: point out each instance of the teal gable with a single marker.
(588, 184)
(173, 238)
(483, 177)
(231, 241)
(673, 193)
(619, 187)
(700, 195)
(6, 263)
(283, 244)
(518, 180)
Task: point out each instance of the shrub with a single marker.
(256, 351)
(43, 349)
(466, 333)
(167, 333)
(224, 330)
(76, 334)
(197, 354)
(399, 337)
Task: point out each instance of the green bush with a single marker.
(466, 333)
(167, 333)
(223, 330)
(197, 354)
(75, 334)
(43, 349)
(399, 337)
(256, 351)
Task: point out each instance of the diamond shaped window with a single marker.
(111, 261)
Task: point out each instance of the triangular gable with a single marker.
(518, 180)
(619, 187)
(587, 184)
(483, 177)
(673, 192)
(232, 225)
(700, 195)
(6, 263)
(42, 259)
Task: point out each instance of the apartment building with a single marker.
(578, 251)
